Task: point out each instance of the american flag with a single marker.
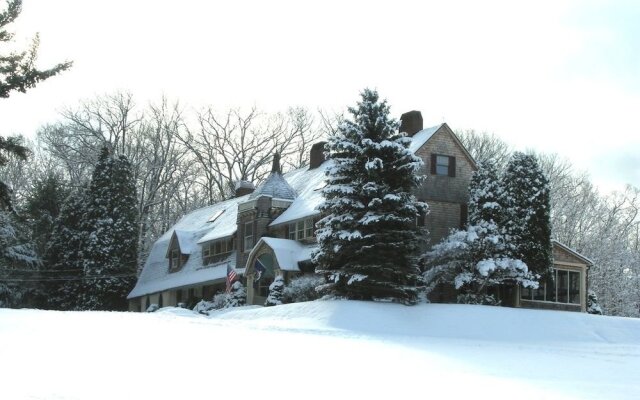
(231, 276)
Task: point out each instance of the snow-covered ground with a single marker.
(319, 350)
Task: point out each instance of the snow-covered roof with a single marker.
(275, 186)
(189, 230)
(224, 226)
(421, 137)
(303, 186)
(185, 242)
(288, 252)
(308, 183)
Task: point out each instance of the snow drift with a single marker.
(318, 350)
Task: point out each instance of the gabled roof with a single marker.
(574, 253)
(421, 137)
(287, 252)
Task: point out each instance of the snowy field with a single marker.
(319, 350)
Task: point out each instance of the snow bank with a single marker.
(321, 349)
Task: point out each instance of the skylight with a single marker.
(215, 215)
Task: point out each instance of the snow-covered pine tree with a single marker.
(527, 212)
(474, 260)
(368, 239)
(479, 257)
(18, 71)
(43, 207)
(64, 255)
(593, 306)
(110, 253)
(276, 292)
(237, 296)
(485, 195)
(18, 262)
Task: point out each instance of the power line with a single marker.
(62, 279)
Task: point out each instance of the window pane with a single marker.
(442, 165)
(525, 293)
(248, 236)
(574, 287)
(563, 286)
(308, 225)
(292, 231)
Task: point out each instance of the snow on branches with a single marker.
(368, 236)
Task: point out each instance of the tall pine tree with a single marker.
(111, 250)
(367, 241)
(527, 212)
(64, 255)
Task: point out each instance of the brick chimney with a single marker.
(411, 122)
(316, 155)
(244, 187)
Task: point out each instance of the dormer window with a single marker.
(442, 165)
(301, 229)
(174, 260)
(176, 255)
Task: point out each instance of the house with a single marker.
(271, 227)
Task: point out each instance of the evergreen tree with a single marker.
(17, 73)
(64, 255)
(17, 70)
(237, 296)
(110, 252)
(43, 207)
(593, 306)
(474, 260)
(18, 262)
(527, 212)
(368, 239)
(9, 147)
(485, 195)
(276, 292)
(479, 257)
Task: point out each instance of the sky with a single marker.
(554, 76)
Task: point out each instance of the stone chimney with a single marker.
(316, 155)
(244, 187)
(411, 122)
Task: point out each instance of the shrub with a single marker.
(302, 288)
